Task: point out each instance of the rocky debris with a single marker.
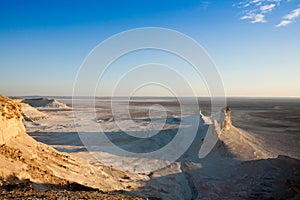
(13, 188)
(9, 109)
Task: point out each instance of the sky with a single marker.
(253, 43)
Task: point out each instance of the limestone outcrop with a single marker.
(24, 158)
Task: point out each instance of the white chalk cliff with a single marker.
(23, 157)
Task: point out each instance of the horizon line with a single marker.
(83, 96)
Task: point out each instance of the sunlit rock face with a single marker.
(227, 122)
(24, 158)
(10, 120)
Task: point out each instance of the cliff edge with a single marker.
(237, 142)
(10, 120)
(24, 158)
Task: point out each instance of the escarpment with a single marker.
(24, 158)
(239, 143)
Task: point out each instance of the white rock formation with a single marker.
(23, 157)
(45, 103)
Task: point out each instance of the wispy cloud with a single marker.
(284, 23)
(257, 11)
(267, 8)
(289, 18)
(259, 18)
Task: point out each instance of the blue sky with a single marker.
(255, 43)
